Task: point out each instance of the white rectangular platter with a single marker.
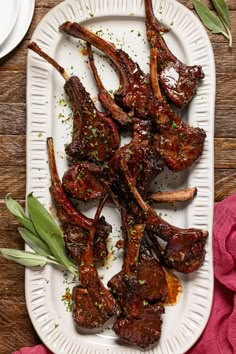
(48, 114)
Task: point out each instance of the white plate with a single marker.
(25, 14)
(121, 21)
(8, 17)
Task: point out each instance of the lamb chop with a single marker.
(178, 80)
(76, 225)
(135, 89)
(152, 285)
(140, 323)
(93, 303)
(95, 135)
(105, 98)
(143, 160)
(179, 144)
(81, 181)
(185, 248)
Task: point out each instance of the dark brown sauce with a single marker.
(174, 288)
(84, 51)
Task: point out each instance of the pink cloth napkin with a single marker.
(219, 336)
(37, 349)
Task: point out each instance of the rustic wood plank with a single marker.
(13, 87)
(13, 118)
(225, 58)
(15, 326)
(12, 150)
(225, 126)
(12, 180)
(226, 90)
(225, 153)
(12, 279)
(16, 60)
(224, 183)
(8, 229)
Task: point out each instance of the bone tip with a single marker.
(50, 143)
(33, 46)
(64, 26)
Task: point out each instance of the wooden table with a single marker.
(15, 327)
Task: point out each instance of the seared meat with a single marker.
(134, 92)
(185, 248)
(93, 303)
(74, 222)
(144, 163)
(151, 276)
(183, 252)
(105, 98)
(140, 290)
(178, 80)
(95, 136)
(140, 322)
(143, 330)
(81, 181)
(179, 144)
(76, 238)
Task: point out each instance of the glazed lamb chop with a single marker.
(105, 98)
(93, 303)
(82, 181)
(152, 285)
(95, 135)
(135, 88)
(179, 144)
(76, 226)
(178, 80)
(140, 322)
(184, 249)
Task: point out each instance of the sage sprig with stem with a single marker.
(216, 24)
(41, 233)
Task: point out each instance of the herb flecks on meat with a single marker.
(95, 136)
(178, 80)
(179, 144)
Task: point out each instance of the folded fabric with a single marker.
(219, 336)
(37, 349)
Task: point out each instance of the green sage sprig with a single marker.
(216, 24)
(41, 233)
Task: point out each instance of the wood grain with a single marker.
(15, 326)
(12, 150)
(225, 153)
(12, 118)
(16, 331)
(13, 87)
(224, 183)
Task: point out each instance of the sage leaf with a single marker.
(28, 259)
(34, 242)
(16, 210)
(223, 12)
(48, 230)
(208, 18)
